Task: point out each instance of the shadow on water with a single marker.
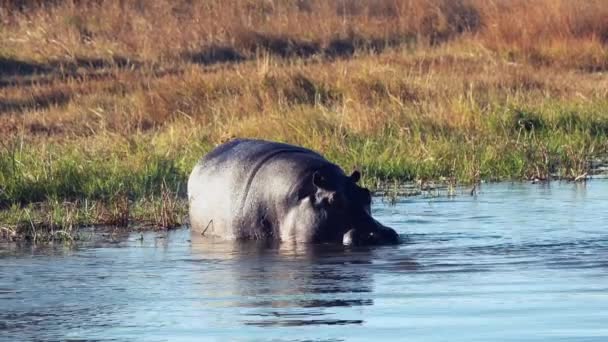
(116, 279)
(288, 285)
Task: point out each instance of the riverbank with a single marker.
(104, 110)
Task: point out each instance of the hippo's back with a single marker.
(234, 174)
(249, 152)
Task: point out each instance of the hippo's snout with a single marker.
(380, 236)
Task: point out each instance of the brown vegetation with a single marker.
(235, 30)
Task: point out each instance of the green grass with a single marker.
(49, 190)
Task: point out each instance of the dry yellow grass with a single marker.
(163, 30)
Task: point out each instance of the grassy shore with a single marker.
(105, 106)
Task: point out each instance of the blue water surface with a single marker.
(516, 262)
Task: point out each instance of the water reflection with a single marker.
(292, 285)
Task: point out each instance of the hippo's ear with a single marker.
(355, 176)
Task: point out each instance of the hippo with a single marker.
(247, 189)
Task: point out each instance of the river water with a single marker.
(516, 262)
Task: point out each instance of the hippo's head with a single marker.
(343, 211)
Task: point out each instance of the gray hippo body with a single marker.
(255, 189)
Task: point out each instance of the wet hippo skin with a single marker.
(254, 189)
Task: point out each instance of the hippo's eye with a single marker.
(329, 200)
(322, 199)
(326, 202)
